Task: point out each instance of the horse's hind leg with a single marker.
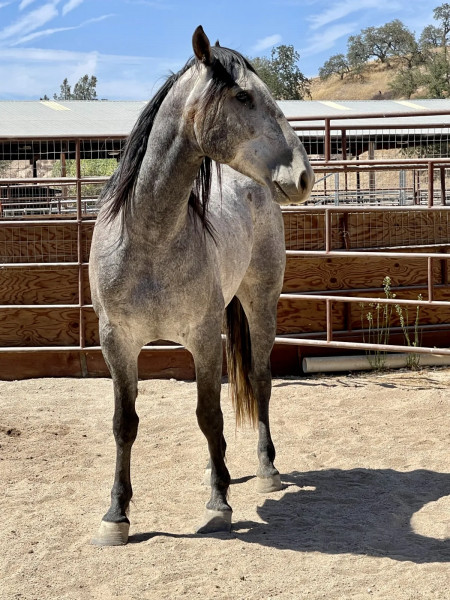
(208, 367)
(261, 317)
(122, 363)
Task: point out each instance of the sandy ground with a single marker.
(364, 514)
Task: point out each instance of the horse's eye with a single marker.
(243, 97)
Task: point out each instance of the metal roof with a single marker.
(36, 119)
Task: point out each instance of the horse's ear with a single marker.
(201, 46)
(217, 43)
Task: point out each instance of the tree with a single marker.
(263, 66)
(406, 82)
(84, 89)
(431, 37)
(436, 76)
(65, 92)
(281, 73)
(442, 14)
(336, 65)
(357, 52)
(392, 39)
(437, 66)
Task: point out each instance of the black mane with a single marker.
(119, 190)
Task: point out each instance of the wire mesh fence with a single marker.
(48, 202)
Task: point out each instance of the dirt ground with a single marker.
(364, 514)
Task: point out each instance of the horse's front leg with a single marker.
(208, 367)
(261, 317)
(122, 363)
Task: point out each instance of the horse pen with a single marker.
(363, 458)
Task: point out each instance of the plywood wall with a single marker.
(46, 289)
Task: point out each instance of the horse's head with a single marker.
(237, 122)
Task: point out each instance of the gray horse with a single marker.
(178, 244)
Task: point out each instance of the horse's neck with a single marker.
(170, 165)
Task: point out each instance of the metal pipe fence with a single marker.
(361, 170)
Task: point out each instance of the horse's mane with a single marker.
(118, 191)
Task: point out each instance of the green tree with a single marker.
(436, 76)
(434, 42)
(282, 75)
(442, 14)
(266, 72)
(402, 42)
(406, 82)
(431, 37)
(391, 40)
(84, 89)
(65, 91)
(336, 65)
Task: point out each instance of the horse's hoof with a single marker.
(111, 534)
(215, 521)
(265, 485)
(207, 478)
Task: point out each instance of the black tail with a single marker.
(239, 359)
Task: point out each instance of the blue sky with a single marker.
(132, 45)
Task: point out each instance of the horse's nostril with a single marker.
(304, 181)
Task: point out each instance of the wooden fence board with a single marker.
(38, 243)
(47, 285)
(304, 230)
(39, 327)
(301, 316)
(25, 365)
(91, 327)
(307, 274)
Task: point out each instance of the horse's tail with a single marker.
(239, 359)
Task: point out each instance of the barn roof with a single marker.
(44, 119)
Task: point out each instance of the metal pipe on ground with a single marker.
(333, 364)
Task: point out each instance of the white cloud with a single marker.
(71, 5)
(33, 72)
(47, 32)
(339, 10)
(325, 39)
(25, 3)
(267, 42)
(31, 21)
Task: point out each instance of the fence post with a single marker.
(443, 194)
(430, 184)
(80, 257)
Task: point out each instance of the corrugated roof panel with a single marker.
(116, 118)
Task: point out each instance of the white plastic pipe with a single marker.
(331, 364)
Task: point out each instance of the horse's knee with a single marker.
(125, 427)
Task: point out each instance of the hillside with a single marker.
(375, 80)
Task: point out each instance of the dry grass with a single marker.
(375, 79)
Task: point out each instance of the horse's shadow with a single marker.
(360, 511)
